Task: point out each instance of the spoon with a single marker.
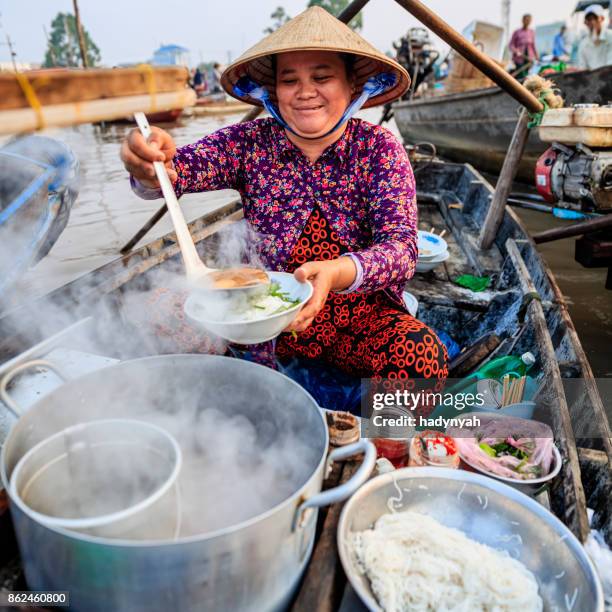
(197, 272)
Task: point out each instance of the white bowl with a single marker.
(430, 245)
(429, 264)
(252, 332)
(412, 304)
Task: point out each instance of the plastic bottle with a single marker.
(509, 365)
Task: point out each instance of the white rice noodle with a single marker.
(415, 563)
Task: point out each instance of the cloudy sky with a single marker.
(129, 30)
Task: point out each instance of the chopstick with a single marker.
(513, 390)
(433, 231)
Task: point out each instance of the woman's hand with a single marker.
(139, 154)
(325, 276)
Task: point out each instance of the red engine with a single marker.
(543, 174)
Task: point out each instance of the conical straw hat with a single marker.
(315, 30)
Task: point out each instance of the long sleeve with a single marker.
(210, 164)
(392, 215)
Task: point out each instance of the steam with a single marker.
(248, 443)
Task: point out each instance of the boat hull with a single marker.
(476, 126)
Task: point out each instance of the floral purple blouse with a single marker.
(363, 184)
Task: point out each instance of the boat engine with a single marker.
(576, 170)
(577, 176)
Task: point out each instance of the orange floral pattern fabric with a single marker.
(363, 334)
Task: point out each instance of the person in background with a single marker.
(216, 74)
(559, 46)
(595, 49)
(523, 48)
(198, 81)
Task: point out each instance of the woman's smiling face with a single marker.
(313, 90)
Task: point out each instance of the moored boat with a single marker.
(476, 126)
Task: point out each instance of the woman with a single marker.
(334, 199)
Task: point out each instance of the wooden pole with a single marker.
(345, 16)
(495, 214)
(471, 53)
(79, 29)
(575, 229)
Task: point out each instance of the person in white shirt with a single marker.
(595, 49)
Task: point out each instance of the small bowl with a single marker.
(425, 265)
(260, 330)
(430, 245)
(412, 304)
(529, 487)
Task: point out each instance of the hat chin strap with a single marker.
(375, 85)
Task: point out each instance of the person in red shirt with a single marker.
(523, 48)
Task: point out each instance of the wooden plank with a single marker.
(323, 584)
(568, 497)
(597, 476)
(73, 113)
(445, 293)
(64, 85)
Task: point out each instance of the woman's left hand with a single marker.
(325, 276)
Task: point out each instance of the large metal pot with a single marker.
(253, 565)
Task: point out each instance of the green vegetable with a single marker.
(487, 449)
(503, 448)
(275, 291)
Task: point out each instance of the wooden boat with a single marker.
(60, 96)
(476, 126)
(217, 104)
(523, 306)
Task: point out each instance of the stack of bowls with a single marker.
(433, 251)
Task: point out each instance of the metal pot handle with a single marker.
(10, 403)
(345, 490)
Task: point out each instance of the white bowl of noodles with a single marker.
(246, 318)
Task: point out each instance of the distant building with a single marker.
(171, 55)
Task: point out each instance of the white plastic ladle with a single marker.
(196, 271)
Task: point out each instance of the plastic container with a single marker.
(396, 451)
(433, 449)
(510, 365)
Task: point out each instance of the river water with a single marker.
(107, 214)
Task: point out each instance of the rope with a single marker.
(149, 76)
(535, 119)
(31, 98)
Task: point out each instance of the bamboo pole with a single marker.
(496, 210)
(60, 115)
(575, 229)
(79, 29)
